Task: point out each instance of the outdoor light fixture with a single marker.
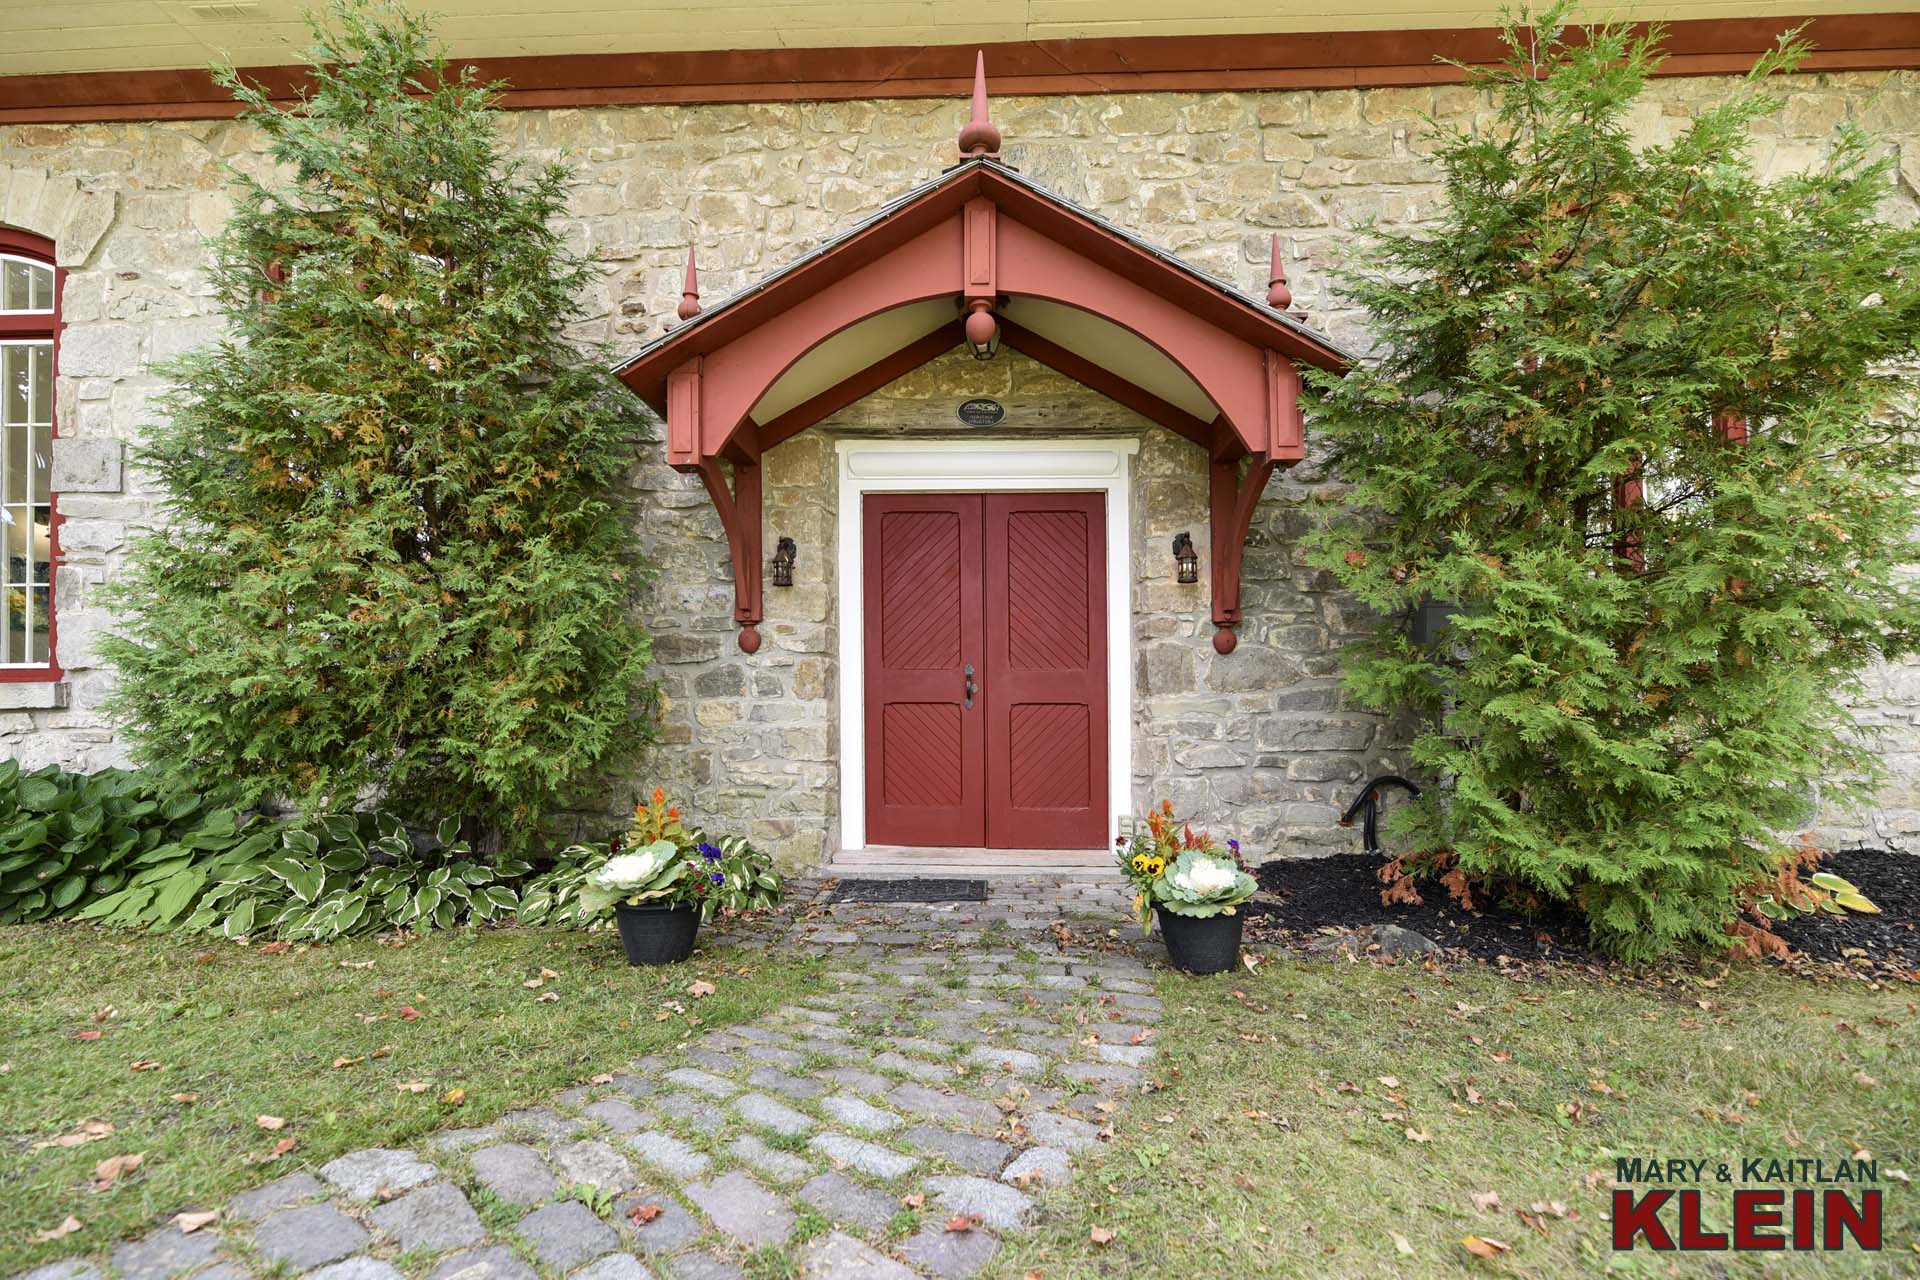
(983, 331)
(1186, 557)
(783, 563)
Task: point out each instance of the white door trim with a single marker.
(982, 466)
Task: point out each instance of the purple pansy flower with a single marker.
(710, 853)
(717, 878)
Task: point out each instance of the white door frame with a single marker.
(1094, 465)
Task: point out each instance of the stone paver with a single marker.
(615, 1266)
(777, 1081)
(1103, 1073)
(1039, 1167)
(867, 1157)
(1013, 1061)
(869, 1082)
(497, 1263)
(617, 1115)
(781, 1166)
(662, 1225)
(669, 1154)
(997, 1204)
(856, 1114)
(358, 1269)
(704, 1266)
(163, 1253)
(566, 1233)
(969, 1151)
(743, 1209)
(951, 1255)
(306, 1237)
(844, 1200)
(1050, 1130)
(759, 1109)
(514, 1172)
(703, 1081)
(278, 1194)
(542, 1122)
(594, 1163)
(693, 1111)
(835, 1256)
(367, 1175)
(436, 1217)
(921, 1100)
(67, 1269)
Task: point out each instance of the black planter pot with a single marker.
(1201, 944)
(657, 934)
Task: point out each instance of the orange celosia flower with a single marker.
(674, 813)
(659, 796)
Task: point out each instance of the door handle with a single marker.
(969, 688)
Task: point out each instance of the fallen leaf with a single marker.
(192, 1222)
(89, 1131)
(86, 1035)
(356, 964)
(914, 1201)
(408, 1013)
(1392, 1082)
(700, 988)
(605, 1077)
(546, 997)
(1551, 1208)
(185, 1099)
(642, 1214)
(1533, 1220)
(1483, 1247)
(348, 1062)
(66, 1228)
(532, 984)
(145, 1064)
(113, 1168)
(1418, 1135)
(454, 1097)
(411, 1086)
(1401, 1244)
(270, 1123)
(1100, 1236)
(548, 973)
(1485, 1201)
(274, 949)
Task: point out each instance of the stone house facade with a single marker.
(1258, 741)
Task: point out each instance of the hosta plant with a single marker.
(69, 839)
(1202, 883)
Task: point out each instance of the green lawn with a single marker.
(1276, 1148)
(321, 1038)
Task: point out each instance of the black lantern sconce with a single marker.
(783, 552)
(1186, 558)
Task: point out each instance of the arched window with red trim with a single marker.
(30, 287)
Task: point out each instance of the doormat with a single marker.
(915, 890)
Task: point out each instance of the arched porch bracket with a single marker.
(980, 256)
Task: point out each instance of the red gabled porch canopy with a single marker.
(982, 255)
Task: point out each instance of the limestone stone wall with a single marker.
(1260, 741)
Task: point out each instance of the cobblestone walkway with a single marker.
(956, 1062)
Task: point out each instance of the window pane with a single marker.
(14, 385)
(37, 617)
(16, 288)
(42, 544)
(41, 358)
(42, 288)
(13, 639)
(39, 482)
(13, 468)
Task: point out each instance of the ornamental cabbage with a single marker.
(646, 873)
(1201, 884)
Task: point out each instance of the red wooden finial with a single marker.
(979, 137)
(690, 291)
(1279, 296)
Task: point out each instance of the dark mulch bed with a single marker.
(1313, 895)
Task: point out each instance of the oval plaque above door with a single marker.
(981, 412)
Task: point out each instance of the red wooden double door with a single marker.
(986, 669)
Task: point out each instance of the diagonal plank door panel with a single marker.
(925, 749)
(1046, 689)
